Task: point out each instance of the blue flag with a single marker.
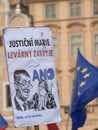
(3, 123)
(86, 89)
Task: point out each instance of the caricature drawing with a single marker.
(44, 98)
(23, 85)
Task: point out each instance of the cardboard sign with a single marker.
(32, 77)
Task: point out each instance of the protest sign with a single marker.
(32, 76)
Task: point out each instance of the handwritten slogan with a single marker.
(32, 77)
(29, 43)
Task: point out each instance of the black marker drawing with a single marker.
(22, 82)
(44, 99)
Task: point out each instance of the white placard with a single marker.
(32, 77)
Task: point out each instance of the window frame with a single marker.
(55, 47)
(96, 100)
(81, 49)
(95, 53)
(70, 2)
(1, 41)
(94, 9)
(50, 18)
(6, 108)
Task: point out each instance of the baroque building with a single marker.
(74, 24)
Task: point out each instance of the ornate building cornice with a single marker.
(36, 1)
(94, 23)
(53, 25)
(75, 24)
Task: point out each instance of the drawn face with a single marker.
(42, 90)
(24, 85)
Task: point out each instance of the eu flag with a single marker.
(86, 89)
(3, 123)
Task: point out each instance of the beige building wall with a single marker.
(62, 27)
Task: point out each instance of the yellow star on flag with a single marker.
(82, 84)
(84, 70)
(86, 75)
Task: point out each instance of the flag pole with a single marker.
(71, 100)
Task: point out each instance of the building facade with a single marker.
(74, 24)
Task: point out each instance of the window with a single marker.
(0, 40)
(76, 42)
(66, 110)
(96, 100)
(55, 45)
(75, 9)
(73, 84)
(50, 11)
(7, 96)
(96, 44)
(95, 7)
